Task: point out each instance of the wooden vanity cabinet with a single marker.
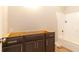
(37, 44)
(43, 42)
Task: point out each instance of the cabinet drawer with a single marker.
(12, 48)
(33, 37)
(13, 40)
(19, 39)
(50, 35)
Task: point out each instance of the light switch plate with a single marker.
(65, 21)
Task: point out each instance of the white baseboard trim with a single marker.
(57, 44)
(69, 45)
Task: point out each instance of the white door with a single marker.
(60, 23)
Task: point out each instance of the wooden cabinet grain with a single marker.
(13, 48)
(44, 42)
(34, 46)
(50, 42)
(40, 46)
(50, 46)
(29, 46)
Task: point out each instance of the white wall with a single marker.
(0, 27)
(3, 22)
(4, 19)
(71, 28)
(72, 17)
(24, 19)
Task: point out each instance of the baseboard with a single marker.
(70, 45)
(58, 43)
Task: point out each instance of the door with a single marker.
(13, 48)
(50, 45)
(40, 45)
(60, 29)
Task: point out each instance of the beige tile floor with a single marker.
(61, 49)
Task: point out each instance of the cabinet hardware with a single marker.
(50, 35)
(12, 42)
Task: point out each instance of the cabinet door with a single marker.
(29, 46)
(12, 48)
(40, 45)
(50, 45)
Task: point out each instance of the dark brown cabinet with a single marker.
(13, 48)
(50, 42)
(50, 47)
(34, 43)
(34, 46)
(44, 42)
(40, 46)
(29, 46)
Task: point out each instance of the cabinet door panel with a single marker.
(40, 45)
(12, 48)
(50, 45)
(29, 46)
